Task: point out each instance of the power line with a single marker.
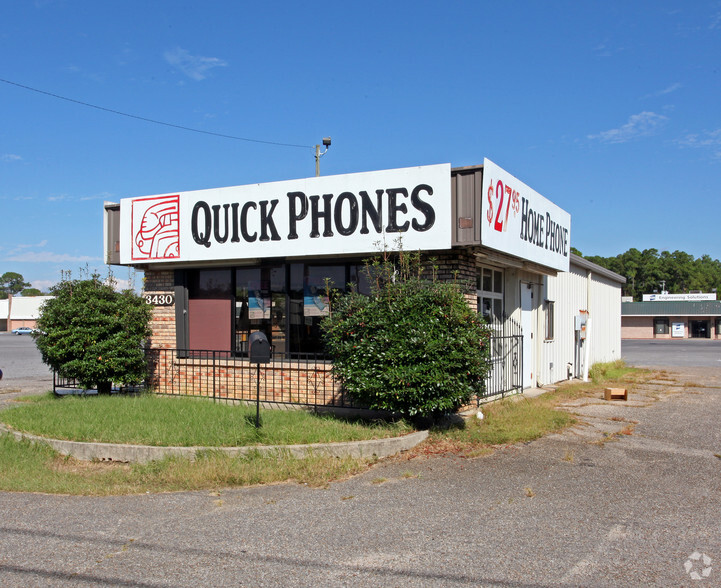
(150, 120)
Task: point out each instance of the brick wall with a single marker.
(637, 327)
(281, 381)
(455, 266)
(217, 376)
(162, 322)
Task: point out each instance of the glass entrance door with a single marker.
(700, 329)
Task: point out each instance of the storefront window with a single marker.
(260, 305)
(660, 326)
(210, 284)
(311, 288)
(550, 318)
(490, 294)
(285, 301)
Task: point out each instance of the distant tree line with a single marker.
(14, 283)
(649, 271)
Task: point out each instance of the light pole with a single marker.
(318, 154)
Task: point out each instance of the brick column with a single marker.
(162, 322)
(456, 265)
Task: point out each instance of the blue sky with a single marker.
(612, 110)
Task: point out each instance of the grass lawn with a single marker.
(166, 421)
(29, 467)
(147, 419)
(35, 467)
(517, 419)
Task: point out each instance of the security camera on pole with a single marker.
(318, 154)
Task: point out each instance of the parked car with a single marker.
(22, 331)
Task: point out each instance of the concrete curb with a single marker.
(146, 453)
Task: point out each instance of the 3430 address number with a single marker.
(160, 299)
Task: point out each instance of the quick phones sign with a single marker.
(331, 215)
(519, 221)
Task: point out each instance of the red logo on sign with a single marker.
(155, 227)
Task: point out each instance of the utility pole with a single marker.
(318, 154)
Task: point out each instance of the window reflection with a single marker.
(285, 301)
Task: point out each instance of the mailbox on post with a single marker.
(259, 348)
(258, 352)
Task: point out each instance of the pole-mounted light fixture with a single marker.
(318, 154)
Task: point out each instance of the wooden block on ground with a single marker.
(616, 394)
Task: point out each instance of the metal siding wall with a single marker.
(569, 291)
(112, 235)
(465, 193)
(606, 312)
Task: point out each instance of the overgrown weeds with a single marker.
(615, 370)
(505, 422)
(518, 419)
(35, 467)
(30, 467)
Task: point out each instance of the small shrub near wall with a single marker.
(412, 347)
(94, 334)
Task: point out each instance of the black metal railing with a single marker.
(304, 379)
(300, 379)
(70, 386)
(506, 371)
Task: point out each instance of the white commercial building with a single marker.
(20, 311)
(223, 263)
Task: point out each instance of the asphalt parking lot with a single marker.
(22, 365)
(628, 497)
(672, 352)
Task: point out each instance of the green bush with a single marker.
(94, 334)
(412, 347)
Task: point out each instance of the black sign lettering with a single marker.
(423, 207)
(204, 237)
(543, 231)
(374, 212)
(244, 222)
(347, 213)
(294, 215)
(216, 223)
(235, 238)
(316, 214)
(266, 221)
(394, 208)
(350, 198)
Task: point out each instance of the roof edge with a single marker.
(595, 268)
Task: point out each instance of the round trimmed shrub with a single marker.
(94, 334)
(413, 347)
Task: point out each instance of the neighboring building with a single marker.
(672, 316)
(20, 311)
(220, 264)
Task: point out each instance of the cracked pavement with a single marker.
(623, 498)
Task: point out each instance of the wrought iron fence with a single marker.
(301, 379)
(506, 371)
(63, 386)
(61, 383)
(304, 379)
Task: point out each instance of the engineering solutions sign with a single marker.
(329, 215)
(517, 220)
